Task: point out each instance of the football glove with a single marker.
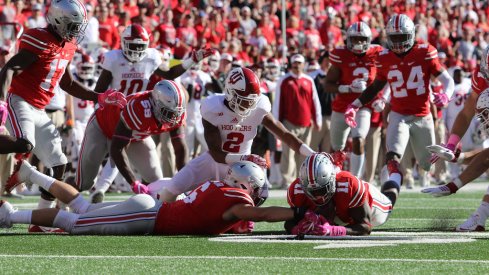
(242, 227)
(441, 100)
(199, 55)
(358, 86)
(378, 105)
(256, 159)
(139, 188)
(442, 190)
(445, 152)
(111, 97)
(311, 224)
(350, 114)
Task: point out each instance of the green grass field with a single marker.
(416, 240)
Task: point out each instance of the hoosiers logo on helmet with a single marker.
(242, 91)
(235, 76)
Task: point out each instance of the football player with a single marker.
(478, 163)
(125, 132)
(407, 67)
(352, 70)
(212, 208)
(349, 205)
(230, 125)
(30, 77)
(129, 69)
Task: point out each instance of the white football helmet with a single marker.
(99, 55)
(68, 18)
(134, 42)
(272, 69)
(483, 112)
(85, 68)
(250, 177)
(242, 90)
(400, 33)
(484, 65)
(318, 178)
(358, 37)
(214, 61)
(168, 102)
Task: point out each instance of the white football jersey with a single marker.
(128, 77)
(237, 134)
(198, 80)
(460, 94)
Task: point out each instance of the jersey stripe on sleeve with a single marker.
(132, 115)
(357, 198)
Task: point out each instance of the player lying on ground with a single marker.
(346, 204)
(479, 165)
(212, 208)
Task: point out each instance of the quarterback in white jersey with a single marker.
(230, 125)
(129, 69)
(194, 80)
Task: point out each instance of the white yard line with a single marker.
(116, 257)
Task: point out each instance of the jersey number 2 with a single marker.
(233, 143)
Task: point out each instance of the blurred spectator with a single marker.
(37, 19)
(91, 39)
(108, 32)
(165, 33)
(296, 91)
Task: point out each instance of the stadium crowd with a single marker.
(248, 33)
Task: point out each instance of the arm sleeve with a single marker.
(276, 102)
(318, 117)
(130, 118)
(447, 82)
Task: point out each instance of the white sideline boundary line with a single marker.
(117, 257)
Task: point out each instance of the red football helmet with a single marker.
(242, 90)
(134, 42)
(85, 69)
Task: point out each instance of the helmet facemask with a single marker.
(318, 178)
(483, 118)
(164, 114)
(400, 42)
(134, 50)
(250, 177)
(358, 44)
(242, 105)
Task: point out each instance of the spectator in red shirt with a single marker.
(267, 28)
(186, 33)
(165, 33)
(297, 106)
(330, 34)
(107, 29)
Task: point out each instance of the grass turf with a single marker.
(414, 212)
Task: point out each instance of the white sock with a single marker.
(45, 204)
(107, 176)
(65, 220)
(42, 180)
(79, 205)
(484, 210)
(356, 164)
(395, 177)
(22, 216)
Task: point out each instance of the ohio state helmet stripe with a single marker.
(359, 27)
(310, 169)
(179, 93)
(83, 8)
(397, 22)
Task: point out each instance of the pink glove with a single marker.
(351, 112)
(256, 159)
(242, 227)
(111, 97)
(139, 188)
(198, 55)
(3, 112)
(441, 100)
(332, 230)
(311, 224)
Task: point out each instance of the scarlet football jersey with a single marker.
(479, 83)
(201, 211)
(351, 192)
(36, 83)
(409, 78)
(129, 77)
(353, 67)
(137, 115)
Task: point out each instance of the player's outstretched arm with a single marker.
(214, 141)
(75, 88)
(196, 56)
(371, 92)
(247, 212)
(13, 67)
(103, 81)
(279, 131)
(120, 140)
(180, 147)
(361, 221)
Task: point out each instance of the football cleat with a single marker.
(44, 229)
(20, 174)
(6, 209)
(473, 224)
